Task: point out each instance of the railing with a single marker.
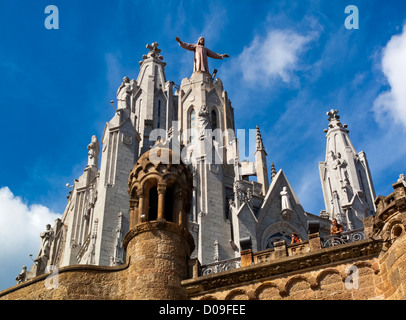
(342, 238)
(220, 266)
(291, 250)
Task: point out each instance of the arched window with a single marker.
(192, 126)
(213, 119)
(277, 237)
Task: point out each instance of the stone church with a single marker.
(166, 209)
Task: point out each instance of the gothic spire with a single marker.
(258, 140)
(345, 177)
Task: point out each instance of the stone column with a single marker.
(181, 218)
(134, 214)
(161, 201)
(141, 200)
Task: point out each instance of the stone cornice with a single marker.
(319, 258)
(158, 225)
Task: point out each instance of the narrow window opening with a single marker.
(168, 214)
(153, 204)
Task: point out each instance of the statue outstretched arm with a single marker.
(187, 46)
(214, 55)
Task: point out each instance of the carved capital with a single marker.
(140, 193)
(134, 203)
(161, 188)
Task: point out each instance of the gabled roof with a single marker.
(278, 182)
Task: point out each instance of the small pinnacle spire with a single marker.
(273, 170)
(258, 139)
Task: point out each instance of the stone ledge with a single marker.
(319, 258)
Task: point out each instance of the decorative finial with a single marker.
(333, 115)
(154, 52)
(334, 119)
(273, 171)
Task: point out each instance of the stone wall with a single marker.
(392, 273)
(74, 283)
(320, 274)
(323, 274)
(157, 263)
(319, 284)
(372, 268)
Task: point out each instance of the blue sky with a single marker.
(290, 62)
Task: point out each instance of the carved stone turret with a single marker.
(389, 209)
(159, 244)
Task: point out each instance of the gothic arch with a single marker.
(282, 227)
(214, 110)
(214, 121)
(191, 123)
(189, 112)
(150, 179)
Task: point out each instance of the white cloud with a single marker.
(20, 227)
(392, 103)
(277, 55)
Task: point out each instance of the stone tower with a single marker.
(153, 101)
(206, 126)
(345, 177)
(120, 151)
(158, 243)
(97, 213)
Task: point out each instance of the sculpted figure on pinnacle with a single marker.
(201, 54)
